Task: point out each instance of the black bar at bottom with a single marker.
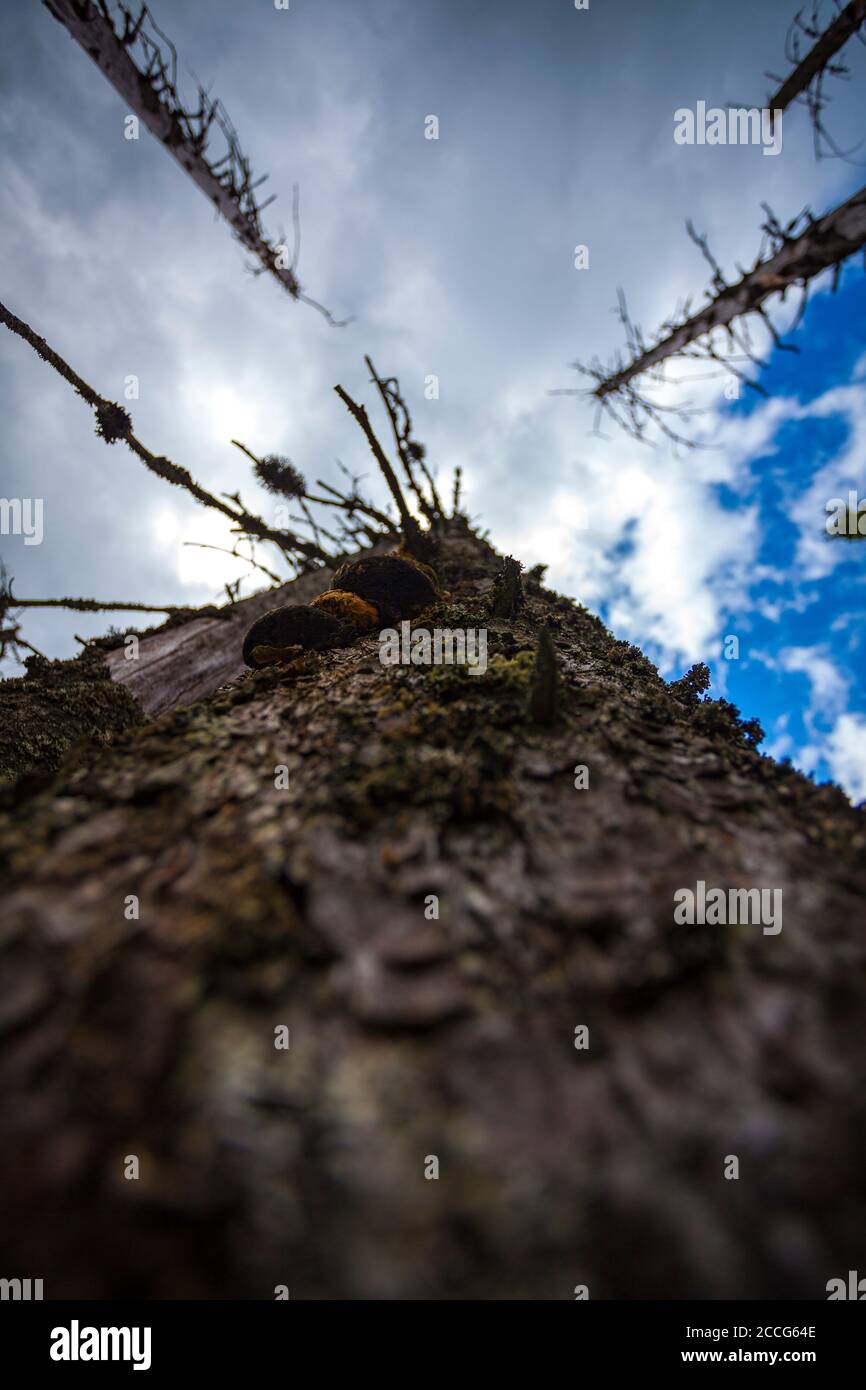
(164, 1339)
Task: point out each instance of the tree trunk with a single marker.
(45, 716)
(183, 662)
(415, 1038)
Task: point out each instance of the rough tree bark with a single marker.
(412, 1038)
(45, 715)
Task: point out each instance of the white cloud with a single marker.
(780, 743)
(845, 751)
(829, 687)
(689, 563)
(774, 609)
(817, 554)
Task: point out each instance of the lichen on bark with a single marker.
(55, 707)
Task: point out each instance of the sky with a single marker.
(456, 257)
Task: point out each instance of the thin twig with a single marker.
(93, 605)
(394, 404)
(360, 415)
(247, 559)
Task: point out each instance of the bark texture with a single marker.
(49, 716)
(413, 1038)
(44, 714)
(182, 662)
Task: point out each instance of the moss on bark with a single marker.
(56, 706)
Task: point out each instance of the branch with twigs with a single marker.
(275, 472)
(114, 423)
(236, 554)
(138, 60)
(359, 414)
(11, 641)
(410, 452)
(11, 606)
(806, 82)
(417, 542)
(279, 476)
(791, 256)
(298, 491)
(97, 605)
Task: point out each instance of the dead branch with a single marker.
(10, 627)
(409, 450)
(816, 61)
(11, 606)
(285, 479)
(94, 605)
(359, 413)
(247, 559)
(113, 423)
(806, 82)
(141, 64)
(791, 256)
(350, 504)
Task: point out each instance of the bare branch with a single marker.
(94, 605)
(113, 423)
(247, 559)
(816, 61)
(409, 450)
(806, 84)
(149, 87)
(790, 258)
(352, 503)
(296, 488)
(359, 413)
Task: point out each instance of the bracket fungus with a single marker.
(395, 583)
(347, 607)
(374, 591)
(280, 633)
